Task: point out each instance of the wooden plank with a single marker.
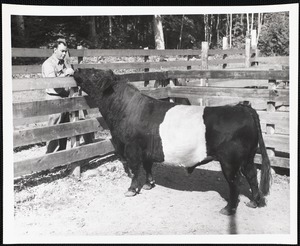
(278, 142)
(140, 65)
(43, 134)
(217, 74)
(231, 74)
(246, 93)
(18, 69)
(284, 60)
(25, 52)
(228, 61)
(221, 101)
(31, 52)
(36, 108)
(140, 52)
(60, 158)
(42, 83)
(131, 77)
(279, 119)
(275, 161)
(158, 93)
(46, 107)
(31, 120)
(34, 52)
(228, 52)
(29, 69)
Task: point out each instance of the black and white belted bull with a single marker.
(145, 130)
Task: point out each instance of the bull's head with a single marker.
(94, 81)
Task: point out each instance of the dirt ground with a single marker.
(179, 204)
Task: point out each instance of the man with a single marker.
(56, 66)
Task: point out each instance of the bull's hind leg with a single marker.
(250, 172)
(150, 183)
(205, 161)
(232, 176)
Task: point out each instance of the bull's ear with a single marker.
(108, 81)
(107, 88)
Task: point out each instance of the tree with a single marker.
(21, 28)
(181, 30)
(158, 33)
(93, 32)
(274, 35)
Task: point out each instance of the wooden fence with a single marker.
(275, 125)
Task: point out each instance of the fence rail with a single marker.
(31, 52)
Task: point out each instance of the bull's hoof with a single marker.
(148, 186)
(130, 193)
(262, 202)
(228, 211)
(251, 204)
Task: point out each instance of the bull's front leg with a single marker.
(134, 160)
(150, 183)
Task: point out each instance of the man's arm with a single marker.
(48, 71)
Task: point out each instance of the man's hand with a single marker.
(69, 72)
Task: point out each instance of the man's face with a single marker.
(61, 51)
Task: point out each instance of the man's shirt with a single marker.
(54, 67)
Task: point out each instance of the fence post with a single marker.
(74, 116)
(146, 58)
(189, 67)
(80, 58)
(75, 141)
(247, 52)
(225, 47)
(254, 46)
(270, 128)
(204, 66)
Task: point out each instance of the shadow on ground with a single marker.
(200, 180)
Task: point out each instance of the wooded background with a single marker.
(140, 31)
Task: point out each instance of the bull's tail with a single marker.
(265, 178)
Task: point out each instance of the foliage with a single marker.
(274, 38)
(135, 32)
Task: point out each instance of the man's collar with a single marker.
(58, 61)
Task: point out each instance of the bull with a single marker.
(145, 130)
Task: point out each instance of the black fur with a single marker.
(232, 134)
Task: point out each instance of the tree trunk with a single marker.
(218, 31)
(230, 32)
(158, 33)
(210, 30)
(227, 25)
(109, 27)
(206, 28)
(180, 36)
(259, 22)
(21, 29)
(93, 33)
(248, 31)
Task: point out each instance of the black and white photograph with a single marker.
(150, 124)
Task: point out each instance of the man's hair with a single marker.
(58, 42)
